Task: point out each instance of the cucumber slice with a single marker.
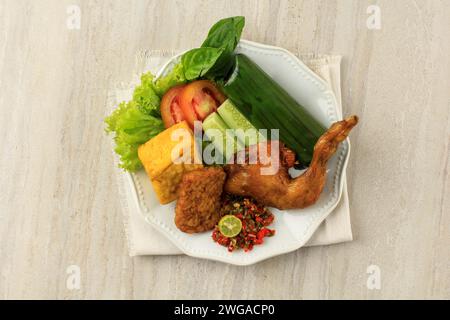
(236, 120)
(232, 117)
(223, 140)
(214, 121)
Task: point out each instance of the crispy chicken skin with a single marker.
(279, 190)
(198, 206)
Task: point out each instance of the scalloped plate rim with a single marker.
(315, 222)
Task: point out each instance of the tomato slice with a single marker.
(199, 99)
(170, 107)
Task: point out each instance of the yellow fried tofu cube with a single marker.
(158, 156)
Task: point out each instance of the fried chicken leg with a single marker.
(279, 190)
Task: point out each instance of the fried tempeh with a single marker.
(198, 206)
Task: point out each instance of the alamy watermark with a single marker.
(73, 280)
(73, 21)
(373, 22)
(222, 146)
(374, 278)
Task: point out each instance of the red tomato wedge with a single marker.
(170, 107)
(199, 99)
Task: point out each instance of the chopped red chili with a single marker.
(255, 218)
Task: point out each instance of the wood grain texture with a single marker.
(59, 204)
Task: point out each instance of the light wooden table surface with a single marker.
(58, 195)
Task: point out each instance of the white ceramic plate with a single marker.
(294, 227)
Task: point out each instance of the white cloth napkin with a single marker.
(144, 240)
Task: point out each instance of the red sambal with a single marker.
(254, 217)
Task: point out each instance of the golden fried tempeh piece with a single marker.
(198, 206)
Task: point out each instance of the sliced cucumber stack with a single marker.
(234, 119)
(222, 138)
(230, 127)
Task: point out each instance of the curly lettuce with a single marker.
(135, 122)
(145, 95)
(175, 77)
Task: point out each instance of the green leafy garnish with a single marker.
(174, 77)
(212, 60)
(146, 96)
(225, 34)
(135, 122)
(197, 62)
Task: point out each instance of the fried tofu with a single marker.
(199, 201)
(158, 156)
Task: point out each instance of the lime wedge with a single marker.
(230, 226)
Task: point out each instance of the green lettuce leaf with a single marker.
(145, 95)
(135, 122)
(132, 127)
(174, 77)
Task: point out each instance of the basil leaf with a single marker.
(225, 34)
(198, 62)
